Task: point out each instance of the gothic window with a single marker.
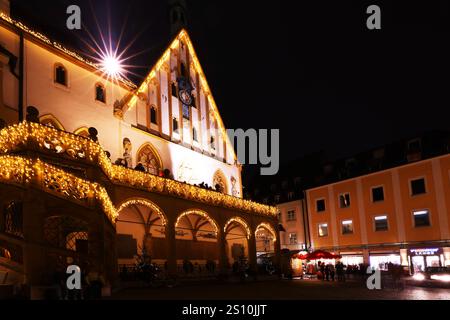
(175, 125)
(100, 93)
(148, 157)
(60, 75)
(66, 232)
(174, 89)
(183, 69)
(153, 119)
(13, 216)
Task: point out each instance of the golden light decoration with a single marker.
(145, 203)
(34, 136)
(19, 170)
(241, 222)
(39, 36)
(268, 228)
(200, 213)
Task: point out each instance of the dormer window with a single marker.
(100, 93)
(60, 76)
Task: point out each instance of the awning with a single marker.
(318, 254)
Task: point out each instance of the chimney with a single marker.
(5, 6)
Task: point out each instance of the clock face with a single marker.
(185, 97)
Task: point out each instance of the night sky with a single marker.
(309, 68)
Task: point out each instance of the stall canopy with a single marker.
(318, 254)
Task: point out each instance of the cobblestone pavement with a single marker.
(284, 290)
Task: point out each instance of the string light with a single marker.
(268, 228)
(198, 213)
(33, 135)
(19, 170)
(145, 203)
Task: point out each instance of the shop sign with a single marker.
(425, 252)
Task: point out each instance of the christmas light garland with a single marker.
(27, 135)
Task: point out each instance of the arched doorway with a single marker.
(265, 237)
(141, 228)
(196, 243)
(237, 234)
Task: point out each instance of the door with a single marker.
(418, 263)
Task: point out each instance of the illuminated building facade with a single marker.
(103, 170)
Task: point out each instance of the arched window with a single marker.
(153, 114)
(66, 232)
(183, 69)
(175, 125)
(148, 157)
(60, 76)
(83, 131)
(100, 93)
(174, 90)
(50, 121)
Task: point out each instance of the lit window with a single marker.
(291, 215)
(418, 186)
(153, 115)
(421, 218)
(347, 227)
(320, 205)
(292, 238)
(381, 223)
(100, 93)
(61, 75)
(377, 194)
(323, 230)
(344, 200)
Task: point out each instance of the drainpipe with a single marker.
(306, 220)
(21, 76)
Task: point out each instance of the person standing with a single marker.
(332, 272)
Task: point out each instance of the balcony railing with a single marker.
(34, 136)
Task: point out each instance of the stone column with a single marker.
(277, 249)
(252, 252)
(171, 248)
(223, 258)
(34, 255)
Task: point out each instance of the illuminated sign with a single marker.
(425, 252)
